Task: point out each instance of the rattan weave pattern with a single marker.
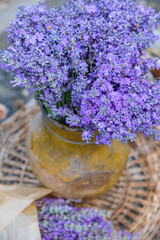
(134, 201)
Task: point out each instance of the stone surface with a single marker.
(154, 4)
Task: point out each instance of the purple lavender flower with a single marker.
(87, 62)
(59, 220)
(90, 8)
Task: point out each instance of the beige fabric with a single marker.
(23, 227)
(18, 215)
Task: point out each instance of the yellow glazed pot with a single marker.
(71, 167)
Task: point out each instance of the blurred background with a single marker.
(11, 99)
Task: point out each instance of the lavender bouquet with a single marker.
(59, 220)
(87, 63)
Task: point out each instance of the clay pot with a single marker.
(156, 72)
(71, 167)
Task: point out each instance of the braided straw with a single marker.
(134, 201)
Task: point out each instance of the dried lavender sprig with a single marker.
(59, 220)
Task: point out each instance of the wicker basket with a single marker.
(134, 201)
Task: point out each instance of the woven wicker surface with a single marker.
(134, 201)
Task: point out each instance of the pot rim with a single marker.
(53, 121)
